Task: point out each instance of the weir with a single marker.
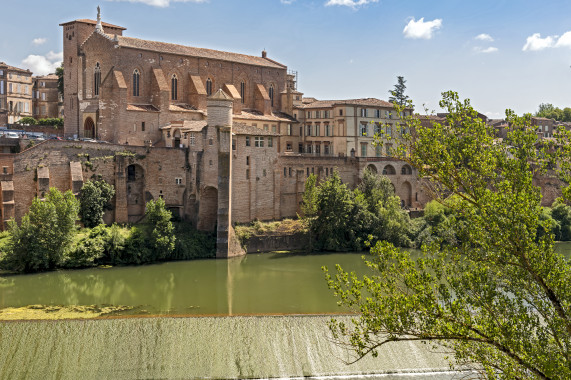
(203, 347)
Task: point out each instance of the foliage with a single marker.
(94, 199)
(27, 121)
(549, 111)
(499, 299)
(60, 75)
(561, 214)
(51, 121)
(343, 219)
(397, 95)
(333, 225)
(161, 238)
(45, 233)
(193, 244)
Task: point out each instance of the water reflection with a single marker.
(253, 284)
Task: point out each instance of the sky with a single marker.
(500, 54)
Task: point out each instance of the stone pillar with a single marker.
(121, 212)
(220, 117)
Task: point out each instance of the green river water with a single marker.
(234, 337)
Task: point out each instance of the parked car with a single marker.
(11, 135)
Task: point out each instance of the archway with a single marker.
(406, 170)
(208, 209)
(389, 170)
(406, 194)
(135, 192)
(372, 168)
(89, 128)
(176, 138)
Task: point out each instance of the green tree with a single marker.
(44, 235)
(94, 199)
(59, 73)
(500, 298)
(162, 238)
(397, 95)
(309, 205)
(333, 226)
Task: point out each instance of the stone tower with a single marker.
(75, 74)
(217, 173)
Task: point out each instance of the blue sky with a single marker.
(500, 54)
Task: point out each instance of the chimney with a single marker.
(264, 54)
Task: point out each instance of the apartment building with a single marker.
(46, 100)
(15, 94)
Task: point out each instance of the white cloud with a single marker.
(421, 29)
(39, 41)
(286, 1)
(350, 3)
(564, 40)
(43, 64)
(535, 42)
(484, 37)
(162, 3)
(487, 50)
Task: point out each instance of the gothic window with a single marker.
(174, 87)
(96, 79)
(272, 94)
(136, 78)
(209, 87)
(243, 91)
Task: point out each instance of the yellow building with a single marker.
(15, 94)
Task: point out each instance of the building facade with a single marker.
(46, 100)
(15, 94)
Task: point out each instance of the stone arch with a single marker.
(135, 176)
(372, 168)
(208, 209)
(89, 128)
(406, 193)
(389, 170)
(406, 170)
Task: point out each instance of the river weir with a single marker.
(198, 347)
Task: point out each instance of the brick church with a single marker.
(210, 132)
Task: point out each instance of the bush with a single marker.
(192, 244)
(40, 242)
(55, 122)
(27, 121)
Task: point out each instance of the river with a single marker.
(249, 326)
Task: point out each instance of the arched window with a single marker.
(243, 91)
(174, 87)
(96, 79)
(209, 87)
(136, 78)
(406, 170)
(272, 94)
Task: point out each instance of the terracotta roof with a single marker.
(93, 22)
(373, 102)
(47, 77)
(188, 125)
(243, 129)
(183, 107)
(308, 100)
(220, 95)
(14, 68)
(164, 47)
(142, 107)
(258, 116)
